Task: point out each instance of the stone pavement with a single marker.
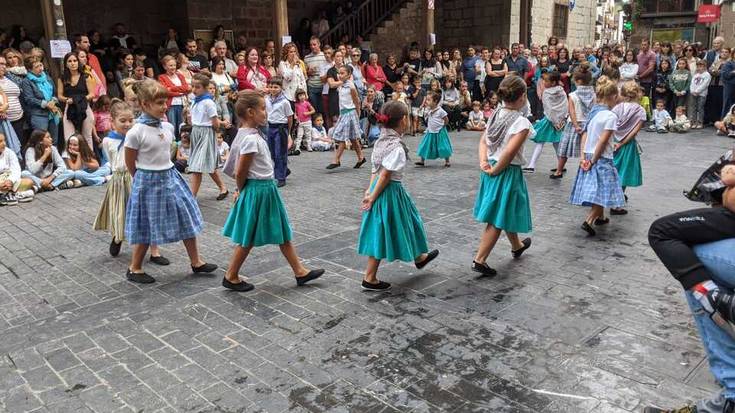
(578, 324)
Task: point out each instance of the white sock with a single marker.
(536, 154)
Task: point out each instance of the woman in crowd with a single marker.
(220, 77)
(430, 69)
(665, 54)
(713, 107)
(661, 88)
(125, 68)
(269, 64)
(178, 90)
(40, 100)
(15, 63)
(13, 113)
(252, 75)
(563, 64)
(334, 84)
(98, 87)
(183, 63)
(293, 71)
(392, 74)
(629, 68)
(727, 72)
(495, 69)
(690, 54)
(76, 91)
(374, 75)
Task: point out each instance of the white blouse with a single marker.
(519, 125)
(293, 79)
(395, 162)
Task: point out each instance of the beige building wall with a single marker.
(580, 26)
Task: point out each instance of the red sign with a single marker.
(708, 13)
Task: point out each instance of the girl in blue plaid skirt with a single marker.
(348, 125)
(597, 184)
(161, 208)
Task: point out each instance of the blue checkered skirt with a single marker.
(569, 145)
(598, 186)
(161, 209)
(347, 127)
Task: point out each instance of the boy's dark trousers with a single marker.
(278, 146)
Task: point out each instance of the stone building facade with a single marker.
(580, 28)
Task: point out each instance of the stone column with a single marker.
(280, 23)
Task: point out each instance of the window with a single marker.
(561, 17)
(668, 6)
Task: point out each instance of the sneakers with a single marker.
(685, 409)
(66, 185)
(78, 183)
(25, 196)
(8, 199)
(723, 303)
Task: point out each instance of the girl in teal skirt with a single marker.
(391, 228)
(436, 143)
(502, 199)
(627, 159)
(258, 216)
(556, 109)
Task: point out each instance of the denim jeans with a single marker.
(695, 108)
(315, 97)
(63, 177)
(718, 257)
(95, 178)
(175, 116)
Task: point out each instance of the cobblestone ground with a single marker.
(576, 325)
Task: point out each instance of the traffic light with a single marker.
(628, 18)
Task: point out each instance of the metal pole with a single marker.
(429, 23)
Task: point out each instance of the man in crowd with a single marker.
(314, 62)
(469, 73)
(81, 41)
(714, 54)
(517, 64)
(197, 62)
(535, 52)
(220, 48)
(121, 39)
(646, 67)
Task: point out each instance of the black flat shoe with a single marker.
(360, 163)
(333, 165)
(380, 286)
(312, 275)
(602, 221)
(555, 169)
(223, 195)
(429, 257)
(160, 260)
(618, 211)
(626, 197)
(555, 176)
(447, 165)
(281, 184)
(139, 277)
(419, 163)
(483, 269)
(115, 248)
(590, 231)
(526, 245)
(288, 172)
(529, 170)
(204, 268)
(241, 287)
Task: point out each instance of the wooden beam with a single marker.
(280, 23)
(429, 23)
(54, 27)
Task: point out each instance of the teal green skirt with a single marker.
(546, 132)
(392, 229)
(258, 217)
(627, 161)
(435, 145)
(503, 202)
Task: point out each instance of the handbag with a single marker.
(709, 186)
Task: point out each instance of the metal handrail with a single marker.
(363, 21)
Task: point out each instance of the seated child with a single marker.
(320, 140)
(490, 105)
(727, 125)
(476, 119)
(183, 151)
(661, 118)
(681, 124)
(13, 188)
(223, 150)
(81, 166)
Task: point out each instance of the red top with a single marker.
(94, 63)
(375, 76)
(173, 90)
(242, 77)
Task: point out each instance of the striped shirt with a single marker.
(315, 62)
(15, 111)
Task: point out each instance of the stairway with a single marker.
(369, 17)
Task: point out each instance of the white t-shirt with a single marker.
(278, 112)
(435, 120)
(153, 146)
(605, 120)
(249, 141)
(476, 117)
(178, 100)
(203, 112)
(395, 162)
(519, 125)
(115, 156)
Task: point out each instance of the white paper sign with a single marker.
(432, 38)
(59, 48)
(285, 39)
(431, 5)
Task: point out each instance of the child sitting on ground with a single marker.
(727, 125)
(661, 118)
(320, 140)
(184, 150)
(223, 150)
(681, 124)
(490, 105)
(476, 119)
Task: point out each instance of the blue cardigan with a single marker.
(33, 101)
